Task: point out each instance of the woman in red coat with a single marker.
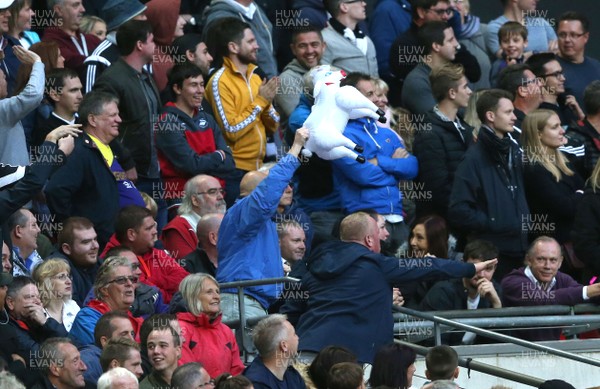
(206, 339)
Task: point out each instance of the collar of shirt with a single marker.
(248, 11)
(538, 284)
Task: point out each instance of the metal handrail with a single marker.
(263, 281)
(484, 367)
(490, 334)
(513, 322)
(545, 310)
(240, 285)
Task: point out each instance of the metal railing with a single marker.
(470, 364)
(437, 320)
(490, 318)
(243, 322)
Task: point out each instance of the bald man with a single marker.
(345, 297)
(248, 245)
(205, 258)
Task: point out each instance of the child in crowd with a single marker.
(345, 375)
(513, 41)
(441, 363)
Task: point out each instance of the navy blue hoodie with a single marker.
(345, 297)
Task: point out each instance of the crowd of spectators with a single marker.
(150, 150)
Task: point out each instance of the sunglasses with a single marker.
(123, 280)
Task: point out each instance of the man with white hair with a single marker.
(118, 378)
(203, 195)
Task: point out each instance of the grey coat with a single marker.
(342, 53)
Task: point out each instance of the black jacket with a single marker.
(553, 204)
(586, 133)
(85, 186)
(49, 159)
(136, 130)
(29, 340)
(198, 262)
(451, 295)
(9, 345)
(488, 196)
(586, 230)
(439, 150)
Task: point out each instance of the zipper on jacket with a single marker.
(247, 80)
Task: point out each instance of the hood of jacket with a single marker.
(330, 259)
(226, 6)
(163, 15)
(296, 67)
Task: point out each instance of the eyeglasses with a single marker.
(442, 12)
(213, 192)
(209, 383)
(557, 74)
(354, 1)
(123, 280)
(62, 277)
(572, 35)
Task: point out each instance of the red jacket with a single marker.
(158, 269)
(179, 237)
(209, 342)
(73, 57)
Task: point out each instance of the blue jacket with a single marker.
(90, 355)
(345, 298)
(298, 116)
(248, 244)
(82, 331)
(368, 186)
(263, 378)
(390, 18)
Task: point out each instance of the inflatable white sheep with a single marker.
(334, 106)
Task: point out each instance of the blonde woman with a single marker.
(53, 279)
(93, 25)
(552, 188)
(207, 339)
(381, 91)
